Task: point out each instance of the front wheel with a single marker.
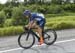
(26, 40)
(50, 36)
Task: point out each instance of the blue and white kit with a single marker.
(39, 18)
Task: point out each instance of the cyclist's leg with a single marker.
(40, 31)
(41, 36)
(39, 28)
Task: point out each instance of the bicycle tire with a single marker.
(19, 40)
(54, 34)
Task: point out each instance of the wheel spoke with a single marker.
(50, 37)
(26, 40)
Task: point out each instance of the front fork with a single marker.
(27, 36)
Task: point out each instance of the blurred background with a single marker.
(59, 14)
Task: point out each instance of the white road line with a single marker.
(65, 41)
(37, 45)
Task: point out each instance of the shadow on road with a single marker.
(45, 49)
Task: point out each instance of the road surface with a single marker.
(65, 44)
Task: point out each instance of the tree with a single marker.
(8, 11)
(14, 2)
(59, 1)
(1, 6)
(54, 1)
(74, 1)
(17, 16)
(68, 1)
(25, 0)
(2, 18)
(33, 1)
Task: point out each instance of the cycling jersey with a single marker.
(39, 18)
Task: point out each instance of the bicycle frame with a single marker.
(31, 31)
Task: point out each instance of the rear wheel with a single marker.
(26, 40)
(50, 36)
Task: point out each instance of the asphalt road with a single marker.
(65, 44)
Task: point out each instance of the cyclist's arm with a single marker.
(30, 24)
(31, 21)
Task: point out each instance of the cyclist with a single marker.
(36, 20)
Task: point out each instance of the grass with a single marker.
(9, 31)
(63, 22)
(61, 14)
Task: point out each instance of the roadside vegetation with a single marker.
(58, 16)
(57, 23)
(64, 22)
